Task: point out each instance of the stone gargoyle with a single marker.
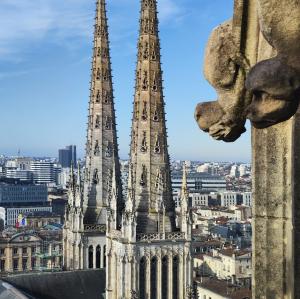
(266, 93)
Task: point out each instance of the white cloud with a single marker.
(26, 21)
(168, 9)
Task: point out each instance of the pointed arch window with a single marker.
(175, 272)
(107, 97)
(152, 26)
(153, 278)
(97, 122)
(98, 96)
(138, 80)
(144, 146)
(99, 31)
(98, 75)
(164, 277)
(96, 177)
(154, 83)
(98, 52)
(142, 278)
(91, 257)
(144, 114)
(156, 115)
(143, 180)
(153, 52)
(136, 110)
(107, 123)
(105, 75)
(146, 51)
(145, 81)
(105, 53)
(97, 149)
(158, 180)
(157, 146)
(98, 257)
(108, 151)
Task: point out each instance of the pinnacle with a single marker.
(149, 150)
(102, 148)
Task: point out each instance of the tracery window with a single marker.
(107, 123)
(156, 115)
(98, 257)
(91, 254)
(164, 278)
(142, 278)
(175, 277)
(98, 75)
(143, 180)
(97, 123)
(144, 114)
(144, 143)
(98, 96)
(145, 81)
(107, 97)
(146, 51)
(157, 146)
(153, 278)
(97, 149)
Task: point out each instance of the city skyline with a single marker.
(48, 118)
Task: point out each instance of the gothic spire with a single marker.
(102, 160)
(149, 150)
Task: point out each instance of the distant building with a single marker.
(234, 171)
(230, 199)
(39, 219)
(67, 156)
(199, 199)
(20, 174)
(198, 182)
(30, 250)
(14, 192)
(12, 214)
(227, 264)
(247, 199)
(43, 172)
(212, 288)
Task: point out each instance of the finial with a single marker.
(184, 188)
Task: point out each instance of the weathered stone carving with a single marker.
(225, 69)
(267, 93)
(275, 83)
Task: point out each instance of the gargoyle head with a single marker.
(276, 92)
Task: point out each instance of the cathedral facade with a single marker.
(149, 257)
(145, 253)
(90, 195)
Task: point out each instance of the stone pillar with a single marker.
(276, 172)
(148, 276)
(102, 257)
(182, 278)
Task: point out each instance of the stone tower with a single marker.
(148, 257)
(85, 244)
(102, 159)
(149, 150)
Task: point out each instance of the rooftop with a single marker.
(223, 288)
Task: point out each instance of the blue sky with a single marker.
(45, 61)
